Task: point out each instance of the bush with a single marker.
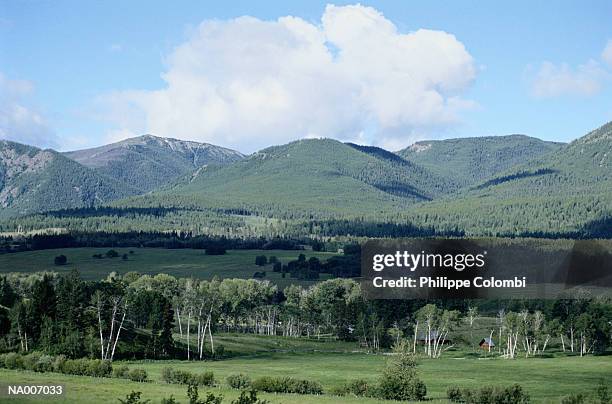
(137, 375)
(44, 364)
(238, 381)
(99, 368)
(29, 361)
(58, 363)
(173, 376)
(454, 394)
(194, 398)
(358, 387)
(169, 400)
(60, 260)
(574, 399)
(13, 361)
(121, 372)
(399, 380)
(249, 397)
(286, 385)
(602, 393)
(490, 395)
(134, 398)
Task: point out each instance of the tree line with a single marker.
(161, 316)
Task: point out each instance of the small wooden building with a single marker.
(487, 343)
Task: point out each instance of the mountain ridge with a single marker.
(147, 162)
(34, 180)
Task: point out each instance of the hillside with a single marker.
(315, 175)
(147, 162)
(469, 161)
(34, 180)
(566, 190)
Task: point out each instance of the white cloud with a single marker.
(606, 54)
(588, 79)
(558, 80)
(19, 120)
(247, 83)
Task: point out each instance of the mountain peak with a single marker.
(148, 161)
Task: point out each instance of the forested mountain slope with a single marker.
(562, 191)
(315, 175)
(34, 180)
(147, 162)
(468, 161)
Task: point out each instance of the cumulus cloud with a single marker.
(248, 83)
(588, 79)
(19, 120)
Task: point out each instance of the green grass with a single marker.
(544, 379)
(179, 263)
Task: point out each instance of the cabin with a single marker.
(487, 343)
(423, 338)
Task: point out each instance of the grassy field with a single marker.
(180, 263)
(546, 380)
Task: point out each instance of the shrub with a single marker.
(60, 260)
(286, 385)
(211, 398)
(13, 361)
(173, 376)
(121, 372)
(358, 387)
(99, 368)
(490, 395)
(399, 380)
(169, 400)
(602, 393)
(29, 361)
(58, 363)
(137, 375)
(238, 381)
(44, 364)
(249, 397)
(134, 398)
(574, 399)
(454, 394)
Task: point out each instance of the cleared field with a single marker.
(179, 263)
(545, 379)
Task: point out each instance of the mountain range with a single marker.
(482, 186)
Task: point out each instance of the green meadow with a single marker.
(332, 364)
(179, 262)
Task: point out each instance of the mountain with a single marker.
(567, 190)
(147, 162)
(34, 180)
(468, 161)
(314, 175)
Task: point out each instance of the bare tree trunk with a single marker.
(112, 330)
(562, 342)
(100, 328)
(178, 316)
(212, 343)
(118, 332)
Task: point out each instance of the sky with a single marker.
(248, 75)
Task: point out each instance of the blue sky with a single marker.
(79, 74)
